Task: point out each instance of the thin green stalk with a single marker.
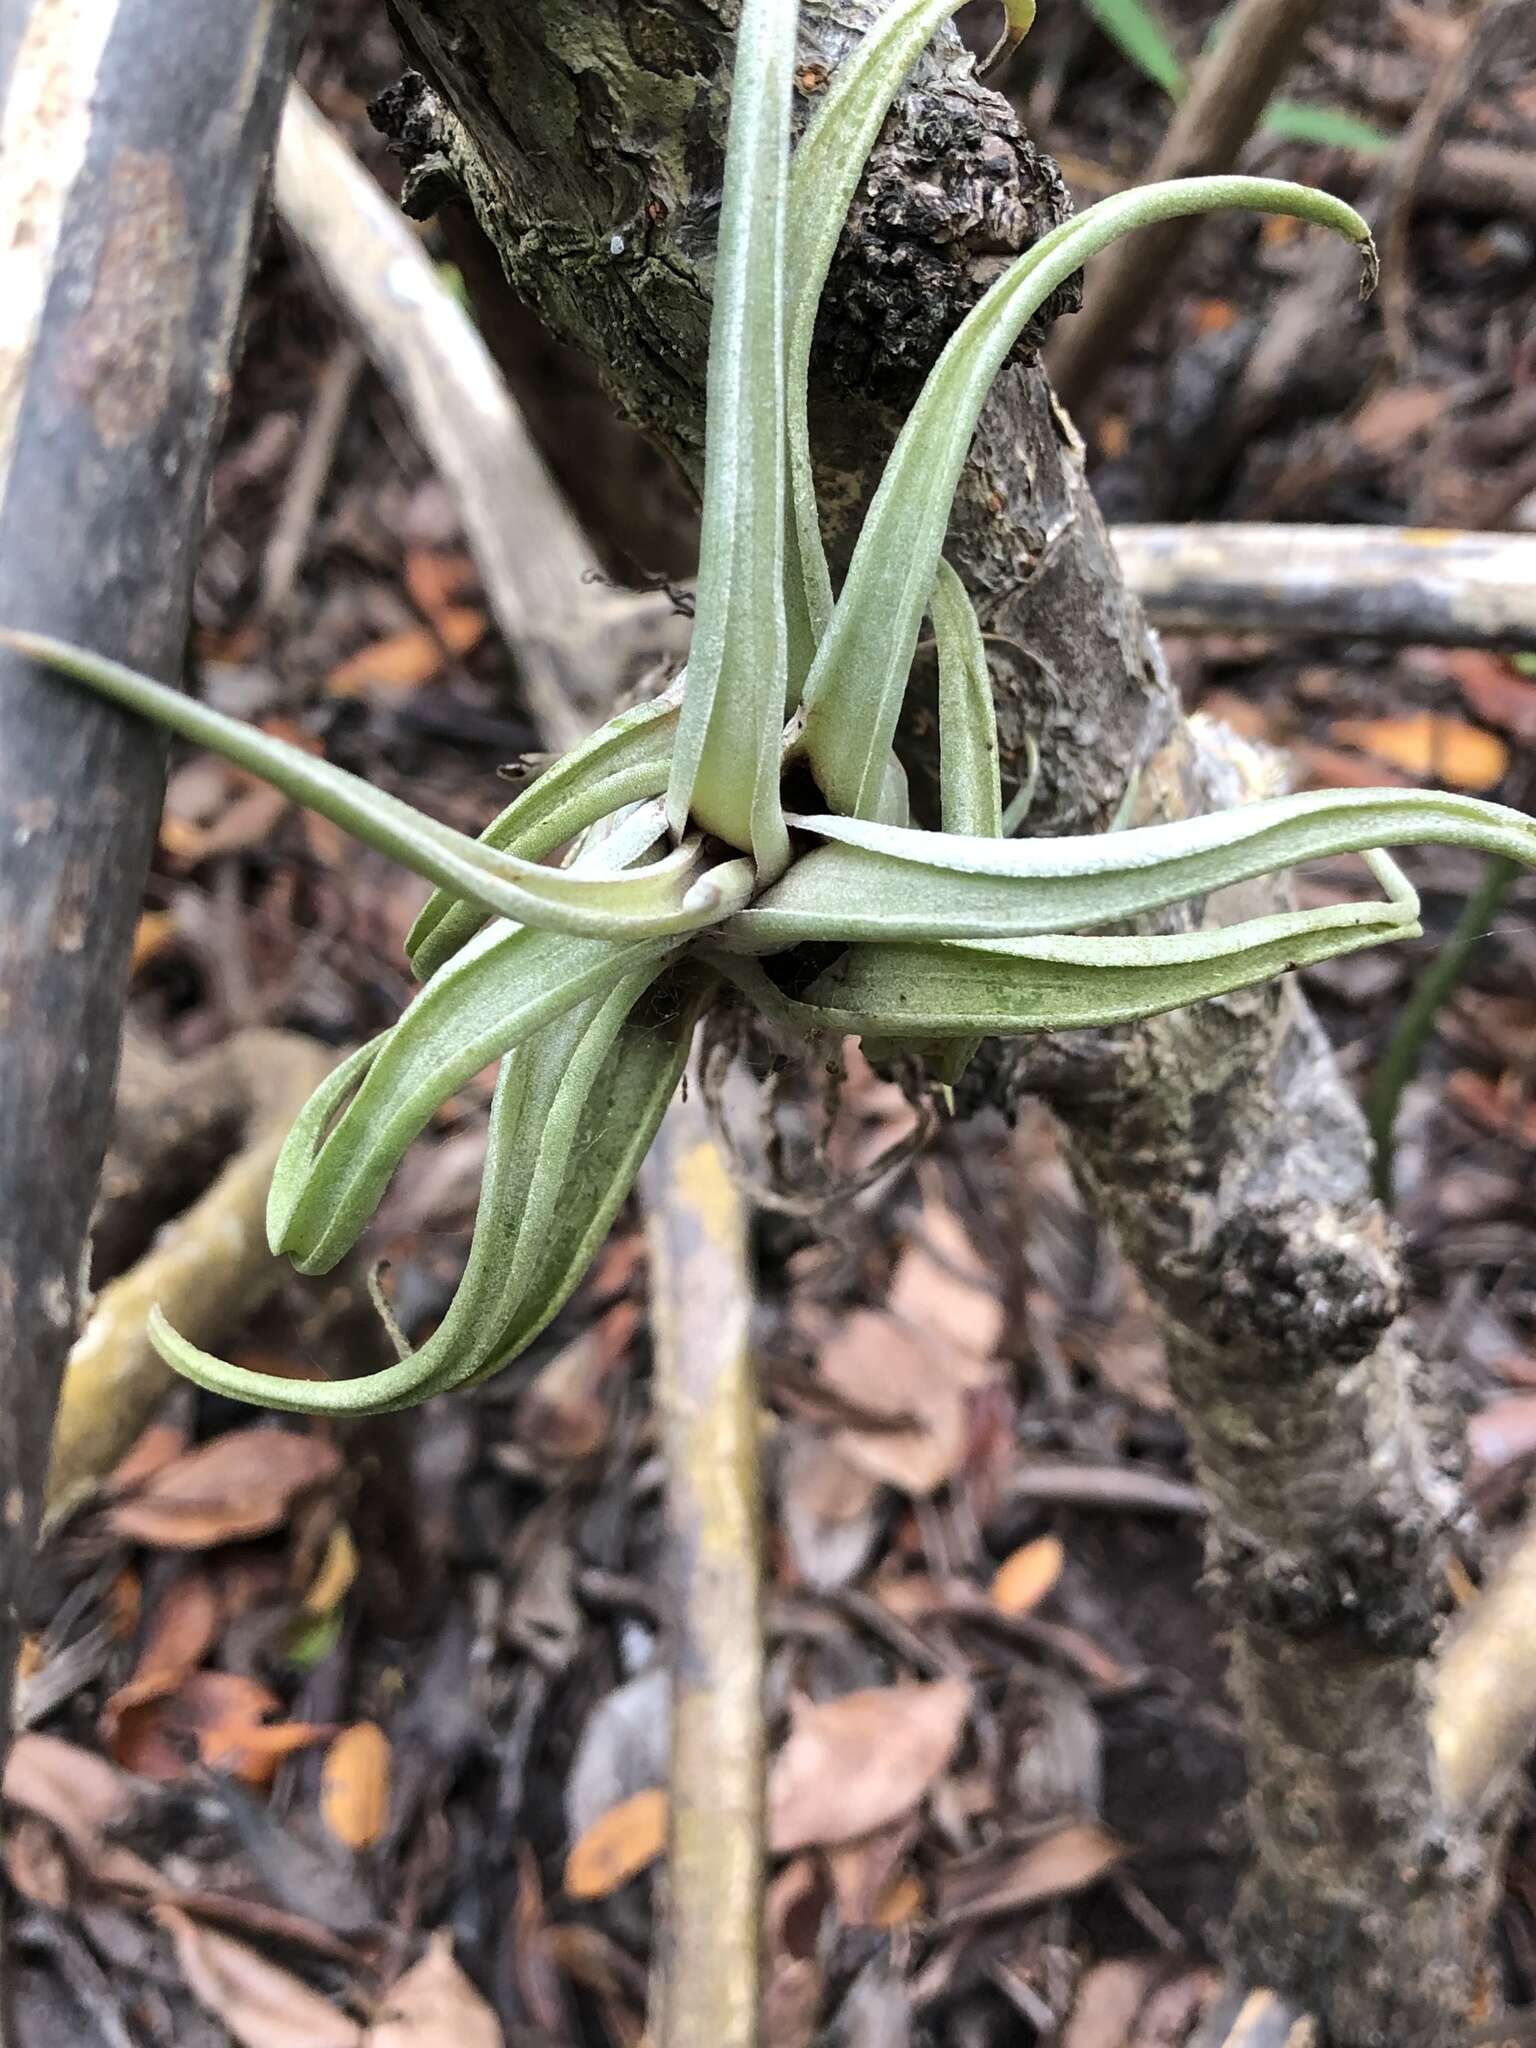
(1405, 1048)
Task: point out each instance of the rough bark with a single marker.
(127, 189)
(586, 134)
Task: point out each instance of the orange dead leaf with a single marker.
(855, 1764)
(151, 935)
(338, 1568)
(1214, 316)
(218, 1718)
(899, 1903)
(435, 580)
(181, 1634)
(618, 1846)
(1430, 747)
(400, 661)
(239, 1485)
(1023, 1580)
(354, 1785)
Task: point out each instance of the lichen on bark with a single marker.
(1223, 1142)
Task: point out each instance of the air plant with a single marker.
(690, 874)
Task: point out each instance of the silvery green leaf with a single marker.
(622, 762)
(506, 984)
(854, 691)
(619, 1119)
(970, 785)
(653, 901)
(881, 882)
(525, 1117)
(725, 769)
(907, 991)
(823, 177)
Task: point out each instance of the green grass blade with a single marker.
(1329, 127)
(1138, 34)
(854, 692)
(725, 769)
(878, 882)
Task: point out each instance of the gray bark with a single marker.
(1224, 1142)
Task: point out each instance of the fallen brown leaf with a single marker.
(1505, 1113)
(940, 1285)
(852, 1765)
(1023, 1580)
(80, 1795)
(436, 580)
(1008, 1877)
(1494, 690)
(434, 2005)
(1429, 746)
(354, 1785)
(239, 1485)
(217, 1718)
(261, 2005)
(1387, 423)
(618, 1846)
(183, 1630)
(885, 1368)
(1107, 2003)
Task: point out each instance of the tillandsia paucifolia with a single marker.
(689, 873)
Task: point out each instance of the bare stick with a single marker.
(307, 478)
(706, 1398)
(575, 643)
(1229, 92)
(1377, 582)
(206, 1270)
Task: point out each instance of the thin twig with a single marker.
(307, 478)
(1226, 98)
(706, 1398)
(206, 1270)
(575, 642)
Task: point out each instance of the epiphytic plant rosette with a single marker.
(586, 980)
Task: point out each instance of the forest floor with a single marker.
(312, 1707)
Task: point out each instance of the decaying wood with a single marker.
(1224, 1142)
(705, 1387)
(1231, 87)
(209, 1267)
(1412, 584)
(576, 646)
(128, 208)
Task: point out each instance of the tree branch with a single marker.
(707, 1404)
(1231, 88)
(128, 209)
(1223, 1141)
